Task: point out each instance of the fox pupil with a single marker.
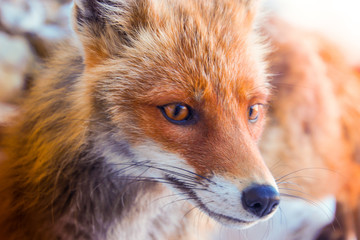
(254, 113)
(178, 109)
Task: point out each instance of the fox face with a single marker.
(183, 84)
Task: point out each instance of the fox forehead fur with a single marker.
(91, 140)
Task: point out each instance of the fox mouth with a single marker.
(217, 216)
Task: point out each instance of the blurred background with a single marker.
(28, 29)
(339, 20)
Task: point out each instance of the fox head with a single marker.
(184, 84)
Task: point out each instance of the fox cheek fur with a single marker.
(96, 134)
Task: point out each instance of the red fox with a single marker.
(149, 95)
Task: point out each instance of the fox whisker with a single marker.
(301, 170)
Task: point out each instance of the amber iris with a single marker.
(178, 113)
(254, 112)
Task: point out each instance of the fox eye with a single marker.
(177, 113)
(253, 114)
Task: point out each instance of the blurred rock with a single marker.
(28, 32)
(22, 15)
(47, 18)
(15, 59)
(57, 12)
(7, 112)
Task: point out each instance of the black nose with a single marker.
(260, 200)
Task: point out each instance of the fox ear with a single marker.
(101, 27)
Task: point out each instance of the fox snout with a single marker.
(260, 200)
